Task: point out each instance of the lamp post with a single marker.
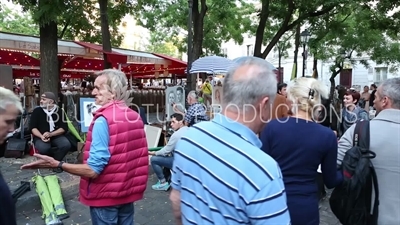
(189, 46)
(304, 36)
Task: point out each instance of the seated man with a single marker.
(163, 157)
(48, 128)
(196, 111)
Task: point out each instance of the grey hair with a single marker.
(391, 89)
(192, 94)
(250, 87)
(7, 97)
(116, 81)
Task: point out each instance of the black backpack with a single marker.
(351, 201)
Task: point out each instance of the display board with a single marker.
(6, 77)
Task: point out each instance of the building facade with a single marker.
(352, 75)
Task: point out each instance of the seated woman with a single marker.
(164, 157)
(300, 145)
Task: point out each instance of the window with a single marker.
(250, 50)
(380, 74)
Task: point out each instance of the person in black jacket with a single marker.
(10, 107)
(325, 119)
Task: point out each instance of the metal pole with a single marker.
(304, 59)
(189, 46)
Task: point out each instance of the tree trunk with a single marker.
(315, 68)
(264, 14)
(296, 48)
(280, 65)
(49, 64)
(105, 32)
(199, 12)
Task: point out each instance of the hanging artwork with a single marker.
(170, 100)
(180, 95)
(217, 99)
(174, 95)
(87, 107)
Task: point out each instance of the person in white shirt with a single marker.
(164, 157)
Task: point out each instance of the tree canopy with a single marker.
(158, 44)
(354, 33)
(13, 21)
(78, 19)
(223, 20)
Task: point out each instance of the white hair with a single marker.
(250, 87)
(391, 89)
(192, 94)
(7, 97)
(306, 95)
(116, 82)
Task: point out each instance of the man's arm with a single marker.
(345, 143)
(175, 198)
(33, 124)
(190, 114)
(269, 205)
(99, 154)
(175, 195)
(37, 133)
(170, 145)
(331, 175)
(57, 132)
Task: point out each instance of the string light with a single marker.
(24, 57)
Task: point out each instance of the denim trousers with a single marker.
(158, 162)
(113, 215)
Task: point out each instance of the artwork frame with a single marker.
(87, 107)
(217, 99)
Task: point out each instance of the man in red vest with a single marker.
(115, 162)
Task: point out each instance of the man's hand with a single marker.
(47, 135)
(43, 161)
(152, 153)
(45, 139)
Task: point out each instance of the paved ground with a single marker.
(154, 209)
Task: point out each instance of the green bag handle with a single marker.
(72, 128)
(155, 149)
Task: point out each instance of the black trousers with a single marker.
(57, 147)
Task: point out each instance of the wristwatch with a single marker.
(60, 165)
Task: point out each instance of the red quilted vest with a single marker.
(124, 179)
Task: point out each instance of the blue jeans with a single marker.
(112, 215)
(158, 162)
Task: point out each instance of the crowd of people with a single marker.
(260, 161)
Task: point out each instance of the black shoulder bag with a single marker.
(16, 147)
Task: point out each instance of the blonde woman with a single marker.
(300, 144)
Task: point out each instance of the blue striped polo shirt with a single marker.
(224, 178)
